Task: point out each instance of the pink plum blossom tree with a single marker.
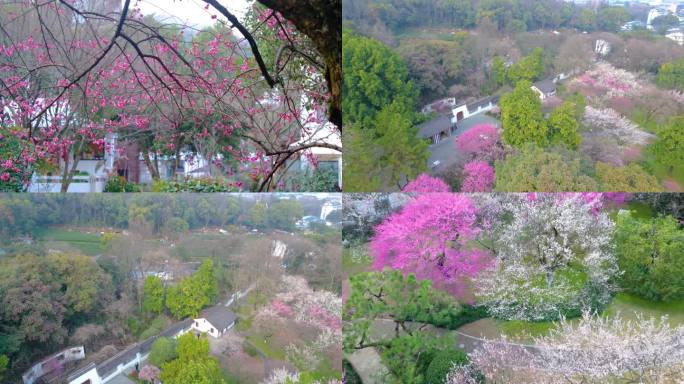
(72, 76)
(430, 237)
(149, 373)
(425, 183)
(478, 176)
(320, 311)
(482, 142)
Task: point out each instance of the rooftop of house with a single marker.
(546, 86)
(434, 126)
(109, 365)
(472, 107)
(219, 316)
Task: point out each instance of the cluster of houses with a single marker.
(451, 114)
(662, 8)
(214, 321)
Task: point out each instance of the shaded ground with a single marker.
(240, 365)
(445, 151)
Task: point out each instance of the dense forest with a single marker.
(156, 214)
(510, 16)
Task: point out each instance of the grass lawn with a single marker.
(265, 347)
(325, 370)
(523, 330)
(229, 377)
(88, 243)
(662, 172)
(246, 310)
(629, 306)
(624, 305)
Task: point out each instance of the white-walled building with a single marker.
(316, 129)
(215, 321)
(544, 88)
(103, 372)
(480, 106)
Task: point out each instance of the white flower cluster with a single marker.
(595, 350)
(462, 374)
(610, 122)
(550, 255)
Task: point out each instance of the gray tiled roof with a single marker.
(106, 367)
(472, 107)
(219, 316)
(78, 372)
(434, 126)
(547, 86)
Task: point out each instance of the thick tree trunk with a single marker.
(154, 171)
(68, 173)
(321, 21)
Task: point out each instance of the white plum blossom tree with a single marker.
(463, 374)
(595, 350)
(298, 304)
(553, 256)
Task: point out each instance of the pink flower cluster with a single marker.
(478, 177)
(281, 308)
(173, 84)
(482, 142)
(429, 238)
(614, 81)
(425, 183)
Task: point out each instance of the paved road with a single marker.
(367, 364)
(445, 151)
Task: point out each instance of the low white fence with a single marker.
(79, 184)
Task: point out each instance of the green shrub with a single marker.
(133, 325)
(649, 253)
(318, 180)
(195, 185)
(163, 350)
(120, 184)
(452, 319)
(442, 363)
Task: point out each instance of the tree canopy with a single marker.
(671, 75)
(374, 77)
(629, 178)
(522, 118)
(649, 252)
(191, 294)
(386, 157)
(193, 365)
(153, 295)
(533, 169)
(669, 148)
